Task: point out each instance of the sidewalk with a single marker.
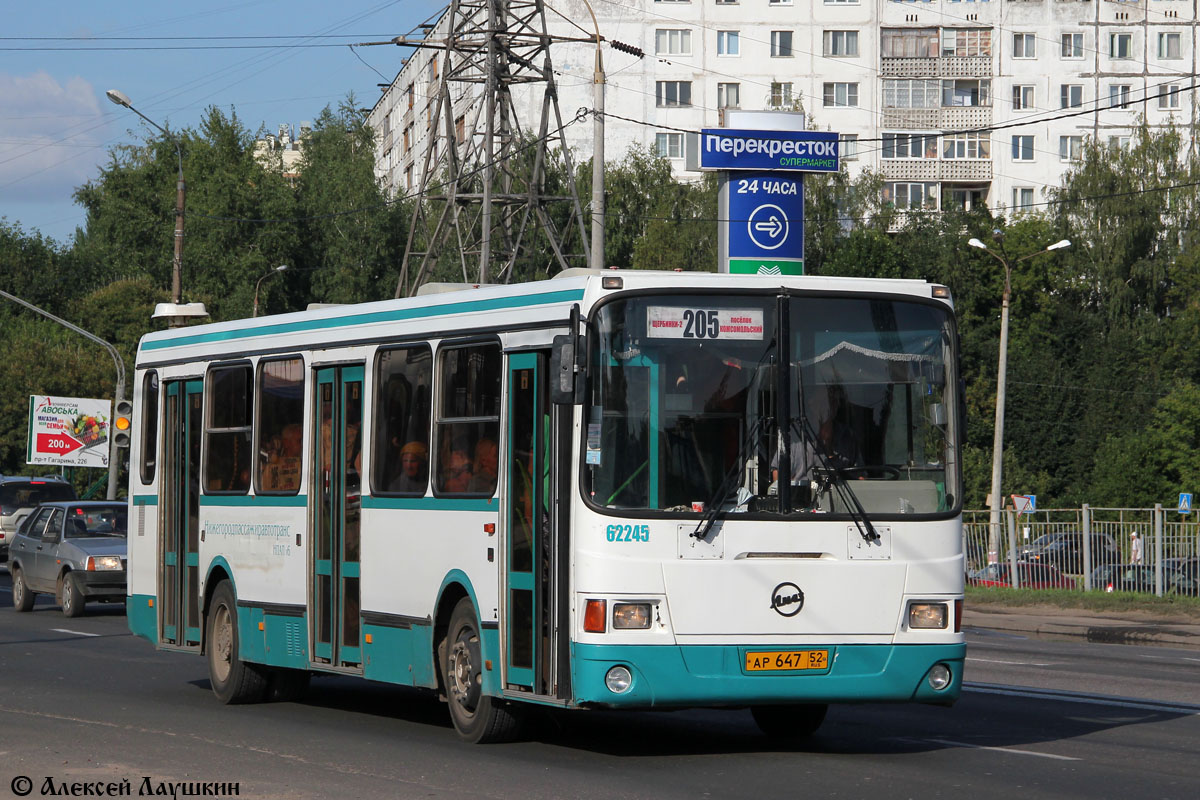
(1058, 623)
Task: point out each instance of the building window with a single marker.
(728, 43)
(1118, 95)
(966, 42)
(841, 94)
(1022, 198)
(673, 94)
(408, 177)
(841, 2)
(1120, 45)
(908, 42)
(910, 145)
(1022, 147)
(841, 43)
(966, 92)
(966, 145)
(1168, 45)
(1118, 142)
(408, 96)
(1071, 95)
(779, 2)
(1070, 148)
(460, 130)
(848, 146)
(911, 196)
(729, 95)
(915, 93)
(669, 145)
(1168, 96)
(407, 138)
(673, 42)
(781, 94)
(1024, 45)
(1072, 45)
(781, 44)
(1022, 98)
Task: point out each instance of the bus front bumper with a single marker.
(677, 676)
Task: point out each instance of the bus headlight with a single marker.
(927, 615)
(635, 616)
(939, 677)
(618, 680)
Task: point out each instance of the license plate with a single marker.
(787, 660)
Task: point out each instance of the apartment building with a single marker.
(907, 84)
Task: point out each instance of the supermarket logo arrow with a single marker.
(57, 443)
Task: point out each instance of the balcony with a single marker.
(956, 118)
(950, 67)
(934, 169)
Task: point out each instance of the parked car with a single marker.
(1140, 578)
(21, 495)
(1065, 550)
(73, 550)
(1031, 576)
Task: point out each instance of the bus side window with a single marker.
(227, 432)
(468, 421)
(401, 422)
(279, 440)
(149, 426)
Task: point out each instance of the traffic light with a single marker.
(122, 423)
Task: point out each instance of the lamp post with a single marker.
(275, 271)
(598, 81)
(121, 99)
(997, 502)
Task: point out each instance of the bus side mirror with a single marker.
(565, 386)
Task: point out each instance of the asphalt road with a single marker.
(81, 700)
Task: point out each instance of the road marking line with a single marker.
(1016, 663)
(76, 633)
(1012, 750)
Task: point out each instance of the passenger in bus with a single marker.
(414, 469)
(456, 472)
(282, 472)
(487, 463)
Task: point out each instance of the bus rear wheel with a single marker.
(478, 718)
(790, 722)
(233, 680)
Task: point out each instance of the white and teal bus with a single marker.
(563, 493)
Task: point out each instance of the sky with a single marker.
(272, 61)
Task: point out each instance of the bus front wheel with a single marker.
(477, 717)
(790, 722)
(233, 680)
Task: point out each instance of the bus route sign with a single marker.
(794, 151)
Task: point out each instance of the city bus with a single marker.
(564, 493)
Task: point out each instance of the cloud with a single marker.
(50, 137)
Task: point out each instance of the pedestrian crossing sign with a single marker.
(1185, 502)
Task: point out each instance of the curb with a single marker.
(1099, 631)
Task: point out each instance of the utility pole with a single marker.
(482, 182)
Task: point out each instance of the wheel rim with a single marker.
(460, 668)
(18, 589)
(68, 595)
(222, 644)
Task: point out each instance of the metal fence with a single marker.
(1044, 549)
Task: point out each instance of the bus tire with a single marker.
(233, 680)
(287, 685)
(790, 722)
(478, 718)
(73, 601)
(22, 597)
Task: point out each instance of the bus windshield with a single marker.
(683, 406)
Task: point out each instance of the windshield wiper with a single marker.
(728, 482)
(835, 478)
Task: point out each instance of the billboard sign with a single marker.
(795, 151)
(765, 218)
(68, 431)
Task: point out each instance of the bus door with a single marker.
(179, 499)
(533, 586)
(334, 580)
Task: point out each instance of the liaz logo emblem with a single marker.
(787, 599)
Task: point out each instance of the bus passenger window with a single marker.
(227, 432)
(401, 423)
(149, 425)
(279, 442)
(468, 421)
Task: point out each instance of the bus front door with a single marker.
(178, 538)
(334, 579)
(533, 585)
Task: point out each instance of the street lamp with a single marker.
(598, 80)
(275, 271)
(997, 501)
(121, 99)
